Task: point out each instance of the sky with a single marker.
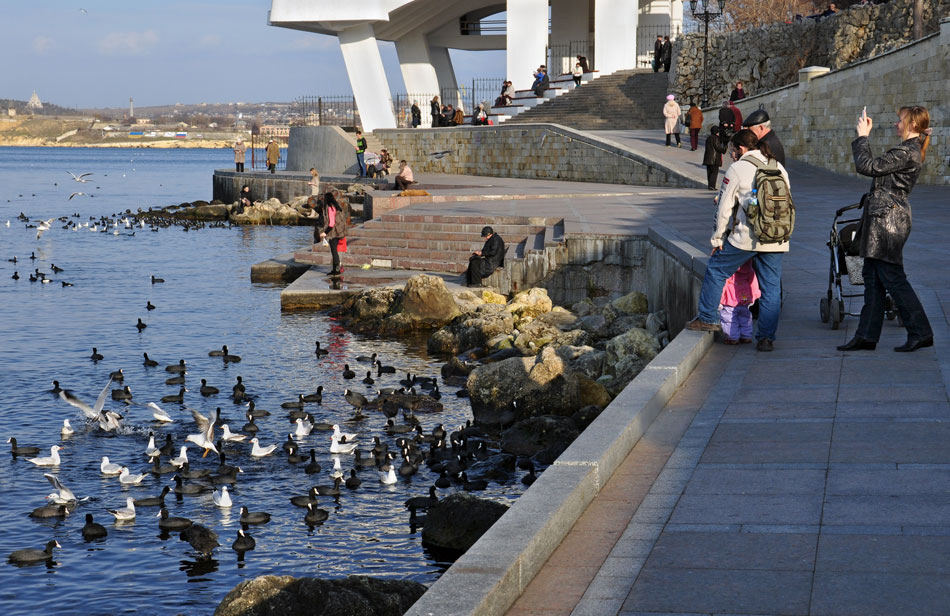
(98, 53)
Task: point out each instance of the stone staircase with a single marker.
(436, 243)
(623, 100)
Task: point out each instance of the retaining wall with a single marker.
(328, 149)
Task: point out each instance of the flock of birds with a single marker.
(404, 449)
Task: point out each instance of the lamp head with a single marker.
(692, 6)
(722, 6)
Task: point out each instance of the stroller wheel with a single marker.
(837, 310)
(824, 309)
(890, 308)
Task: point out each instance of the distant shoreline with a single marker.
(158, 145)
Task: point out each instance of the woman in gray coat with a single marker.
(885, 226)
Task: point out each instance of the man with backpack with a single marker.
(760, 124)
(754, 221)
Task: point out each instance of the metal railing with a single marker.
(561, 57)
(327, 110)
(258, 152)
(646, 36)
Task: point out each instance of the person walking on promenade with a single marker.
(760, 124)
(331, 226)
(667, 54)
(671, 115)
(657, 53)
(733, 243)
(694, 121)
(360, 153)
(716, 146)
(727, 122)
(483, 262)
(736, 113)
(737, 92)
(738, 293)
(885, 227)
(272, 155)
(314, 182)
(404, 178)
(239, 153)
(416, 114)
(435, 109)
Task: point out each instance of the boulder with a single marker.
(374, 303)
(583, 359)
(559, 318)
(356, 595)
(593, 324)
(531, 303)
(592, 393)
(458, 520)
(472, 330)
(426, 301)
(211, 212)
(582, 308)
(456, 367)
(530, 436)
(586, 416)
(535, 334)
(270, 212)
(467, 301)
(574, 337)
(490, 297)
(622, 324)
(497, 467)
(637, 343)
(655, 322)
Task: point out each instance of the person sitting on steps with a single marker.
(483, 262)
(404, 178)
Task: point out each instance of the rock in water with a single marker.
(426, 301)
(631, 303)
(459, 520)
(356, 595)
(530, 436)
(531, 303)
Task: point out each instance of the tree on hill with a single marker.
(744, 14)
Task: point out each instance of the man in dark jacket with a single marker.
(712, 157)
(544, 82)
(483, 262)
(657, 53)
(667, 54)
(758, 122)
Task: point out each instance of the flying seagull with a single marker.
(75, 194)
(43, 226)
(81, 176)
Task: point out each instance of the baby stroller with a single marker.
(845, 258)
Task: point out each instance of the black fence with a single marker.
(328, 110)
(256, 156)
(561, 57)
(646, 36)
(466, 97)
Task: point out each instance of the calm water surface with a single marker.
(47, 332)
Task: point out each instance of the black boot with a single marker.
(858, 344)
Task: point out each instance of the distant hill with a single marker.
(48, 108)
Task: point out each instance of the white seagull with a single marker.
(51, 460)
(159, 414)
(81, 177)
(90, 412)
(337, 471)
(67, 429)
(341, 447)
(182, 458)
(303, 429)
(227, 435)
(128, 479)
(259, 452)
(62, 495)
(43, 226)
(222, 498)
(108, 468)
(126, 513)
(205, 438)
(388, 477)
(109, 421)
(151, 450)
(337, 434)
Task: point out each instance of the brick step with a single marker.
(474, 230)
(538, 221)
(350, 260)
(375, 235)
(423, 243)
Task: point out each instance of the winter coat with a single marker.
(885, 219)
(273, 153)
(694, 117)
(737, 94)
(239, 151)
(339, 227)
(715, 148)
(436, 110)
(775, 144)
(671, 111)
(667, 51)
(737, 189)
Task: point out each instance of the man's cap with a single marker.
(759, 116)
(486, 231)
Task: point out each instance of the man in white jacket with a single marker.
(733, 244)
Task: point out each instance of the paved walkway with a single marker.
(803, 481)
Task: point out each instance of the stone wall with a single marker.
(226, 184)
(815, 118)
(329, 149)
(768, 58)
(537, 151)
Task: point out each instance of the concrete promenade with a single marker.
(802, 481)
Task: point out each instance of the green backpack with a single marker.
(771, 213)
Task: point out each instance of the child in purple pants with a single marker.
(739, 292)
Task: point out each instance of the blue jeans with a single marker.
(362, 165)
(768, 270)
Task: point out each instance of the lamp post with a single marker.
(706, 16)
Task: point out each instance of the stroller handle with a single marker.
(846, 208)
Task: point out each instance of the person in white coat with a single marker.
(733, 244)
(671, 115)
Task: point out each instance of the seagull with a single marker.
(182, 458)
(51, 460)
(259, 452)
(337, 434)
(439, 155)
(205, 438)
(159, 414)
(227, 435)
(126, 478)
(126, 513)
(108, 468)
(43, 226)
(78, 194)
(388, 478)
(303, 429)
(89, 412)
(341, 446)
(62, 495)
(222, 498)
(81, 177)
(151, 450)
(109, 421)
(67, 429)
(337, 471)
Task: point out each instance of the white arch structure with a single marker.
(425, 30)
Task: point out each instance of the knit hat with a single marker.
(670, 97)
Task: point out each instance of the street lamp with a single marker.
(706, 16)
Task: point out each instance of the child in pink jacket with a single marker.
(739, 292)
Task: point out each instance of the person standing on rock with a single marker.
(331, 221)
(657, 53)
(694, 121)
(239, 151)
(671, 115)
(273, 155)
(760, 124)
(483, 262)
(667, 54)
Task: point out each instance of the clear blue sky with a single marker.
(177, 51)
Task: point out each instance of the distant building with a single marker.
(143, 120)
(35, 103)
(11, 112)
(275, 131)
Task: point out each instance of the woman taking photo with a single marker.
(884, 228)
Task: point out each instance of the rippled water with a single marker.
(47, 332)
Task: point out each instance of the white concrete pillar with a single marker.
(445, 73)
(569, 34)
(676, 16)
(364, 65)
(615, 35)
(418, 73)
(527, 40)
